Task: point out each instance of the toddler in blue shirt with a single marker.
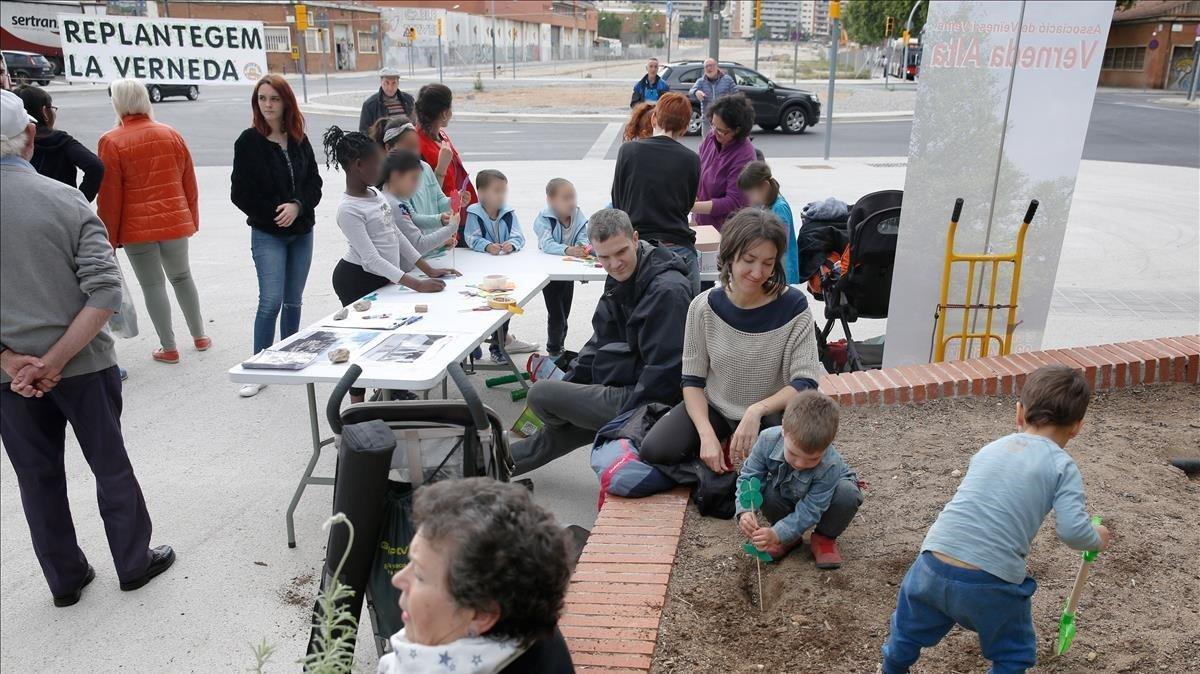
(561, 229)
(805, 482)
(971, 570)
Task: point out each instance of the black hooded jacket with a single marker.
(638, 331)
(261, 182)
(56, 154)
(374, 109)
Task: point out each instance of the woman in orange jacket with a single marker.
(148, 202)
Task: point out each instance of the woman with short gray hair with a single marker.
(484, 586)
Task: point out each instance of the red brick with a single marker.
(608, 619)
(991, 385)
(1172, 362)
(1192, 355)
(945, 379)
(881, 382)
(630, 548)
(627, 578)
(624, 558)
(652, 599)
(634, 529)
(618, 569)
(1006, 374)
(859, 387)
(1097, 366)
(638, 539)
(833, 386)
(1148, 358)
(610, 646)
(592, 608)
(640, 589)
(904, 391)
(610, 670)
(923, 383)
(1127, 368)
(978, 374)
(1026, 364)
(637, 662)
(601, 633)
(962, 376)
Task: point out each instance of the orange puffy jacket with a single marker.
(149, 188)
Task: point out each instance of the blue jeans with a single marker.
(282, 264)
(691, 258)
(935, 596)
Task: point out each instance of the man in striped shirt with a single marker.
(389, 101)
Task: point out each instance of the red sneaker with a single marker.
(825, 552)
(165, 356)
(202, 343)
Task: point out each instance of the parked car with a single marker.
(26, 67)
(775, 106)
(160, 91)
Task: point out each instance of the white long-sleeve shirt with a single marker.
(376, 242)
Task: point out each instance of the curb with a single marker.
(346, 110)
(615, 601)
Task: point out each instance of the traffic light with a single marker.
(888, 26)
(758, 13)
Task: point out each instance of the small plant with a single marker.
(336, 628)
(262, 653)
(751, 499)
(478, 82)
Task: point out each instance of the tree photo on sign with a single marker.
(865, 22)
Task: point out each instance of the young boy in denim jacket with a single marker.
(492, 227)
(971, 570)
(805, 482)
(561, 229)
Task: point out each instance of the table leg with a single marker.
(307, 478)
(513, 366)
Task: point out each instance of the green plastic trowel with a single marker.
(1067, 624)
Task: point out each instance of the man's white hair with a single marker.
(15, 146)
(129, 97)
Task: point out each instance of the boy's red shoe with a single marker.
(825, 552)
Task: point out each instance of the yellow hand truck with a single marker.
(965, 336)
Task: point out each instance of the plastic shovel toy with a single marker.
(1067, 624)
(751, 499)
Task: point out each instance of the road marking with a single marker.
(480, 154)
(600, 148)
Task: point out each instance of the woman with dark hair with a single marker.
(748, 347)
(434, 110)
(430, 208)
(55, 153)
(484, 586)
(723, 155)
(655, 182)
(277, 184)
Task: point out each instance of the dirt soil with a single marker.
(1139, 613)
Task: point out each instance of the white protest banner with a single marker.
(422, 20)
(1003, 104)
(164, 51)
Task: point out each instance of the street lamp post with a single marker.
(835, 33)
(494, 68)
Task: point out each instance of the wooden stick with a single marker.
(1077, 591)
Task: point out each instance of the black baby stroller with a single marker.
(856, 282)
(385, 451)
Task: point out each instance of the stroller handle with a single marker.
(333, 407)
(470, 395)
(958, 204)
(1033, 206)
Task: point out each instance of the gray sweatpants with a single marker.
(572, 413)
(149, 262)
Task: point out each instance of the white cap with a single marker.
(13, 118)
(389, 72)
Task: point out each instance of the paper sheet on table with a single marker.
(371, 319)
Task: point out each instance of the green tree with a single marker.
(643, 21)
(692, 27)
(865, 21)
(609, 25)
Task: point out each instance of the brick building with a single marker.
(1150, 45)
(340, 36)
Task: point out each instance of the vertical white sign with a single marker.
(1003, 104)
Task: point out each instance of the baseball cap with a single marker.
(389, 72)
(13, 118)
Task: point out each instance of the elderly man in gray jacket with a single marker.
(60, 284)
(713, 84)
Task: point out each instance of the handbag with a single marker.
(124, 322)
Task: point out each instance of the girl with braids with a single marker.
(434, 111)
(762, 191)
(378, 252)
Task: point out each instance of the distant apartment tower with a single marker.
(781, 17)
(814, 17)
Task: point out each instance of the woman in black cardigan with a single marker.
(55, 153)
(277, 185)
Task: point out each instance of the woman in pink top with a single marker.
(723, 155)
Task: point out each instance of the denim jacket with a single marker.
(811, 490)
(551, 237)
(481, 230)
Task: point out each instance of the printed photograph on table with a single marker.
(318, 342)
(270, 359)
(406, 348)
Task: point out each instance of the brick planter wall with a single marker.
(618, 591)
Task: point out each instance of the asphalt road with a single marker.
(1124, 127)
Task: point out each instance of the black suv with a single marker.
(26, 67)
(774, 106)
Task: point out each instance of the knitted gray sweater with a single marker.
(742, 356)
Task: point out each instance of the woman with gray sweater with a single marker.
(749, 346)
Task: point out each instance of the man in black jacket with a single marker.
(635, 354)
(389, 101)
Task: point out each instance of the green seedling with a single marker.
(751, 499)
(1067, 625)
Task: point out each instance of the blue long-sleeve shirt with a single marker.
(1009, 488)
(481, 230)
(554, 237)
(791, 258)
(810, 490)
